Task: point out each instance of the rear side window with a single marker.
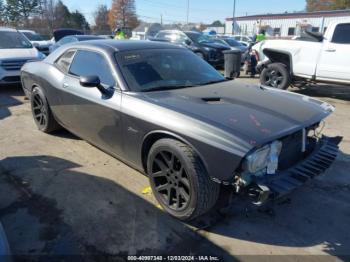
(342, 34)
(65, 60)
(88, 63)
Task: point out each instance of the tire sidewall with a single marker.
(163, 145)
(281, 68)
(40, 92)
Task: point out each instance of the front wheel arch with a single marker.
(154, 136)
(277, 56)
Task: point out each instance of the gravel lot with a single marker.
(59, 195)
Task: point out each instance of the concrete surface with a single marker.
(59, 195)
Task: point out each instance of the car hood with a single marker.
(22, 53)
(256, 115)
(215, 45)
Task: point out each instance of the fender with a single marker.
(269, 52)
(168, 134)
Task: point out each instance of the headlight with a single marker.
(208, 49)
(265, 157)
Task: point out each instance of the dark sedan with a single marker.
(200, 44)
(72, 39)
(169, 114)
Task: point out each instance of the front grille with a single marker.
(13, 65)
(216, 55)
(11, 79)
(291, 152)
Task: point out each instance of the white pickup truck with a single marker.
(296, 62)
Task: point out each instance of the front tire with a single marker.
(41, 111)
(179, 180)
(276, 75)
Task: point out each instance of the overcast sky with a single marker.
(205, 11)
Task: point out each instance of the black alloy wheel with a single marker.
(41, 111)
(276, 75)
(179, 180)
(171, 181)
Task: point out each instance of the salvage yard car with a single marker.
(298, 62)
(169, 114)
(37, 41)
(15, 51)
(202, 45)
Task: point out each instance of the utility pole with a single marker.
(161, 19)
(233, 17)
(188, 10)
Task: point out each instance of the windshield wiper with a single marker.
(164, 88)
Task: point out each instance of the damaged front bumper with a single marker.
(271, 187)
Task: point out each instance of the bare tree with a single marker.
(123, 14)
(101, 20)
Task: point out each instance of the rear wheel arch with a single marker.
(154, 136)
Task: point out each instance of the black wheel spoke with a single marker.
(161, 165)
(163, 187)
(160, 173)
(185, 182)
(169, 196)
(171, 182)
(39, 111)
(184, 194)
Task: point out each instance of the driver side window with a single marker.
(89, 63)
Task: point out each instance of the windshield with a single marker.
(12, 40)
(198, 38)
(165, 69)
(232, 42)
(32, 37)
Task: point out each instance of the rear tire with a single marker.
(276, 75)
(41, 111)
(179, 180)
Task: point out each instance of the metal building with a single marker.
(285, 25)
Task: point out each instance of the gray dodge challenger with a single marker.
(164, 111)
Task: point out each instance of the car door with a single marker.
(334, 60)
(94, 116)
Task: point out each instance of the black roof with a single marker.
(87, 37)
(129, 45)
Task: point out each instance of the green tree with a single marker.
(341, 4)
(323, 5)
(62, 16)
(78, 21)
(2, 13)
(19, 11)
(217, 23)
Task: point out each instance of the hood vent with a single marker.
(213, 100)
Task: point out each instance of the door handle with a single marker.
(65, 85)
(331, 50)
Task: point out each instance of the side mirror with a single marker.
(90, 81)
(36, 45)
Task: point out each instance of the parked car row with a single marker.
(207, 47)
